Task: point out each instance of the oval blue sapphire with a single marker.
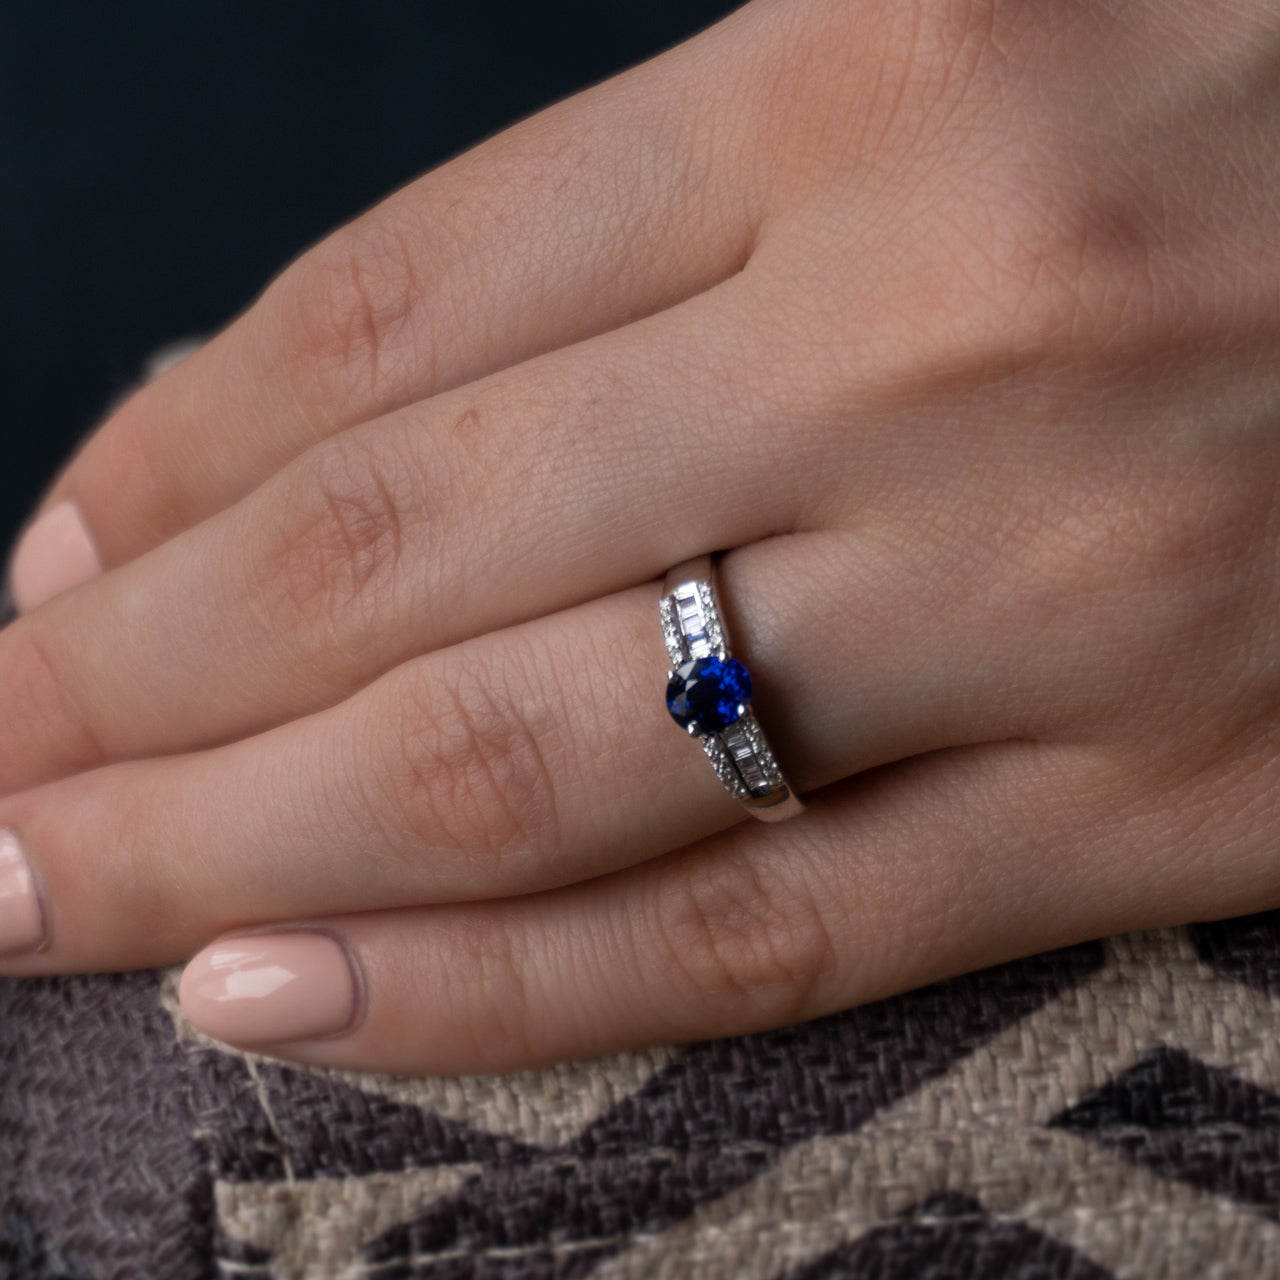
(709, 691)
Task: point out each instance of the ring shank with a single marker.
(693, 628)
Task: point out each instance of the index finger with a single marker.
(588, 216)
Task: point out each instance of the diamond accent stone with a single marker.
(767, 765)
(723, 766)
(715, 628)
(671, 630)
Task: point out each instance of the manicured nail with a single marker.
(55, 554)
(270, 987)
(21, 920)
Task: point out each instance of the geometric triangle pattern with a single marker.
(1106, 1112)
(717, 1118)
(949, 1236)
(1181, 1118)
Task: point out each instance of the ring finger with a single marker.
(519, 761)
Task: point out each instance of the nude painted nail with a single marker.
(270, 987)
(21, 920)
(54, 555)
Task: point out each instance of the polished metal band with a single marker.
(693, 628)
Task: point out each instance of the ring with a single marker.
(709, 694)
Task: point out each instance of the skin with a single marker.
(957, 321)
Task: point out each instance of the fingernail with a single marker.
(170, 356)
(54, 555)
(21, 920)
(270, 987)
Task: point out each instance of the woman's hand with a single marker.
(957, 321)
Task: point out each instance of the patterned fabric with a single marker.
(1105, 1112)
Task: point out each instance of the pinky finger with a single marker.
(936, 866)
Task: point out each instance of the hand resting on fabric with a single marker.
(955, 324)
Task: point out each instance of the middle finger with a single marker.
(581, 473)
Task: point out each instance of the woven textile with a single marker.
(1112, 1110)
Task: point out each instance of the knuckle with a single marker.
(469, 774)
(39, 696)
(342, 537)
(344, 313)
(492, 997)
(124, 808)
(158, 886)
(1151, 581)
(126, 456)
(742, 941)
(1165, 534)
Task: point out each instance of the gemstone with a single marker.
(708, 691)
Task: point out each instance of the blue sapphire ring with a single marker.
(709, 694)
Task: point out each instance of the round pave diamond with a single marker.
(708, 692)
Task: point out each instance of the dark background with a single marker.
(160, 161)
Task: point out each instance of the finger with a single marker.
(572, 477)
(581, 219)
(520, 761)
(470, 512)
(938, 866)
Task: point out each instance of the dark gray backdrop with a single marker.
(159, 161)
